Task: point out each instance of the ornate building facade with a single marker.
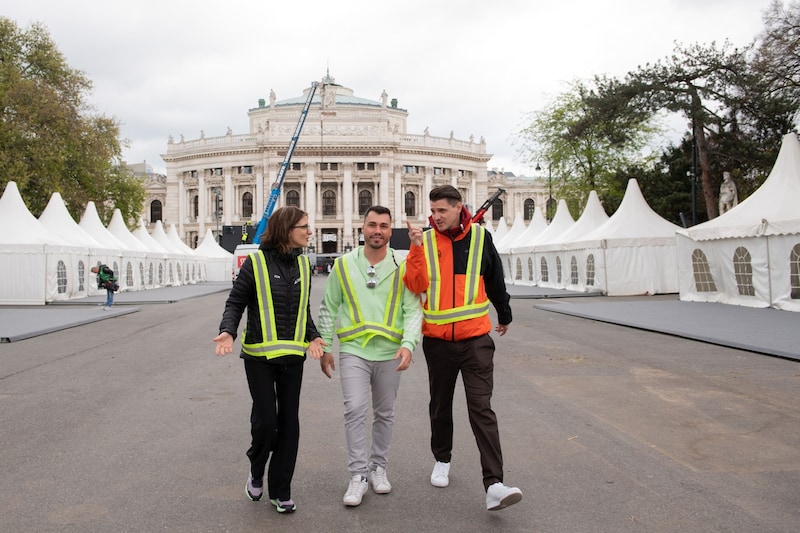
(352, 153)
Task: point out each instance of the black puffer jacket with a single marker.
(284, 274)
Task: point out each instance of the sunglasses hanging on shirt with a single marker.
(372, 280)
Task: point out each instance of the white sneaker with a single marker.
(356, 490)
(498, 496)
(440, 477)
(380, 483)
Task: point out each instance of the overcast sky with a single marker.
(172, 67)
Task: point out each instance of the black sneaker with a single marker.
(283, 507)
(254, 492)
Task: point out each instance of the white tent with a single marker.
(632, 253)
(219, 261)
(57, 220)
(524, 272)
(176, 259)
(91, 223)
(34, 262)
(750, 255)
(556, 251)
(517, 229)
(157, 258)
(524, 254)
(193, 261)
(500, 231)
(132, 275)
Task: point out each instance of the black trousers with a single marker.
(474, 359)
(274, 422)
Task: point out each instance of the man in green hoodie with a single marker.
(379, 324)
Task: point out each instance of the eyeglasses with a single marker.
(372, 282)
(304, 226)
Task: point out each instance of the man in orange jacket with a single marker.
(458, 268)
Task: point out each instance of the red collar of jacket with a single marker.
(459, 231)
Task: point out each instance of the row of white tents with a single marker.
(748, 256)
(49, 259)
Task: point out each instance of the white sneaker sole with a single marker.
(511, 499)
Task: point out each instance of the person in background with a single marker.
(379, 327)
(458, 268)
(274, 284)
(106, 280)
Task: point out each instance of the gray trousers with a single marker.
(359, 377)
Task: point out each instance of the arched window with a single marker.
(518, 274)
(703, 280)
(543, 268)
(171, 275)
(590, 270)
(129, 274)
(150, 275)
(81, 276)
(178, 267)
(247, 205)
(558, 269)
(61, 277)
(528, 207)
(329, 203)
(411, 204)
(161, 274)
(510, 270)
(743, 270)
(794, 269)
(530, 269)
(293, 198)
(573, 271)
(155, 210)
(497, 209)
(364, 201)
(195, 206)
(141, 272)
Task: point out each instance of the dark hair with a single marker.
(280, 226)
(379, 210)
(445, 192)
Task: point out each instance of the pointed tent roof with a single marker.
(634, 219)
(770, 210)
(57, 220)
(562, 221)
(537, 225)
(488, 225)
(593, 217)
(90, 221)
(517, 229)
(210, 248)
(500, 231)
(172, 234)
(119, 230)
(18, 225)
(161, 238)
(145, 238)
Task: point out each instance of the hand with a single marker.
(224, 343)
(315, 349)
(327, 364)
(414, 234)
(405, 359)
(501, 329)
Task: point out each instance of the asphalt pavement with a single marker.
(605, 428)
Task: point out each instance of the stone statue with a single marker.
(728, 197)
(384, 98)
(272, 98)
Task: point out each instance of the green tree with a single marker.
(584, 141)
(50, 140)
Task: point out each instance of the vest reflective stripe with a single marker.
(469, 307)
(366, 328)
(270, 346)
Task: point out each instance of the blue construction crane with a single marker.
(276, 187)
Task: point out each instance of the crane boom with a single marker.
(275, 191)
(486, 205)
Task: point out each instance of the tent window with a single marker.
(590, 270)
(518, 275)
(81, 276)
(543, 268)
(558, 270)
(61, 273)
(141, 272)
(129, 274)
(178, 266)
(510, 270)
(743, 269)
(150, 275)
(530, 269)
(794, 267)
(194, 272)
(703, 280)
(161, 274)
(171, 275)
(573, 271)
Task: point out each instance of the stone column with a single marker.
(347, 196)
